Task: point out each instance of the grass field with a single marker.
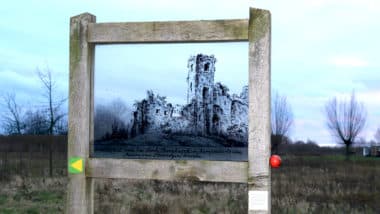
(303, 184)
(326, 184)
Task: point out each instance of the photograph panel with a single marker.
(171, 101)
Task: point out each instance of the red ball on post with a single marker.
(275, 161)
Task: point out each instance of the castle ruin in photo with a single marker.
(210, 110)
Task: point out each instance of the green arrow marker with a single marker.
(76, 165)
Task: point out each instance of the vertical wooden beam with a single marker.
(90, 181)
(80, 188)
(259, 36)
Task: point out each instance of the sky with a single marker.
(320, 48)
(134, 69)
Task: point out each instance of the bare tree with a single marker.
(12, 119)
(53, 109)
(53, 106)
(345, 120)
(282, 121)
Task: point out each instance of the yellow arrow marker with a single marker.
(75, 165)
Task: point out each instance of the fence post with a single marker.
(20, 161)
(50, 155)
(30, 159)
(2, 172)
(6, 172)
(80, 188)
(259, 37)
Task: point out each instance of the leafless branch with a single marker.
(282, 115)
(345, 119)
(53, 105)
(12, 119)
(281, 120)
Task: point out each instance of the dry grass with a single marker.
(31, 164)
(32, 195)
(147, 197)
(319, 184)
(326, 184)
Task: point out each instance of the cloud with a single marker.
(370, 97)
(23, 86)
(16, 81)
(348, 61)
(312, 129)
(367, 97)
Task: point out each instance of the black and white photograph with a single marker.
(171, 101)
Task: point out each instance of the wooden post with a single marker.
(259, 37)
(80, 188)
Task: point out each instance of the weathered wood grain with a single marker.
(259, 103)
(170, 170)
(175, 31)
(80, 189)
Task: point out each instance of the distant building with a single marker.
(373, 151)
(210, 109)
(366, 151)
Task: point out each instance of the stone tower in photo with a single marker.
(210, 109)
(200, 82)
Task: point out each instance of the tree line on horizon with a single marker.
(48, 119)
(345, 119)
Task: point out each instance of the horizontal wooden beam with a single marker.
(164, 32)
(170, 170)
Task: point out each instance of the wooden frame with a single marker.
(85, 33)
